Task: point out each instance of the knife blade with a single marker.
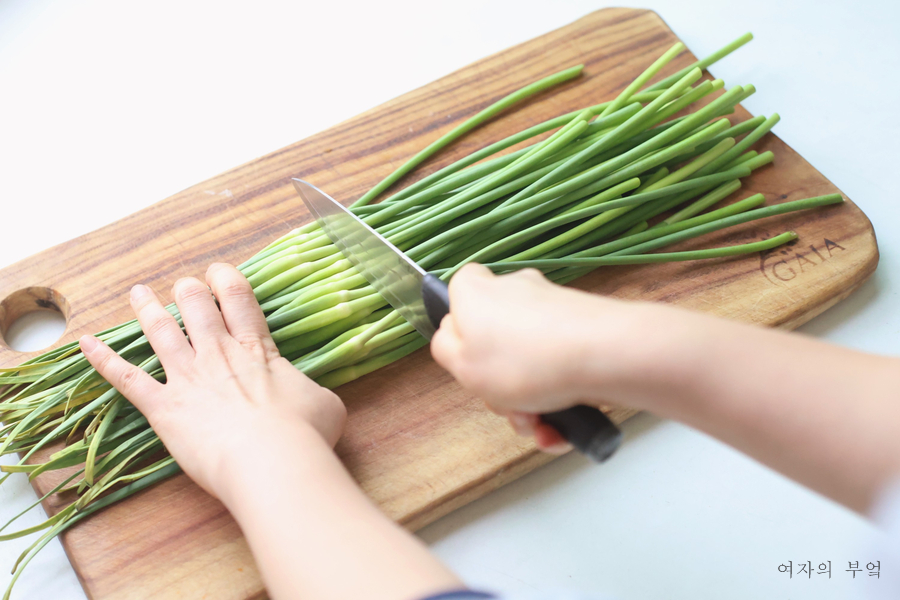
(423, 300)
(419, 297)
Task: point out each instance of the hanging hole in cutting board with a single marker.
(32, 319)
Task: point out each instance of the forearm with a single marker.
(315, 535)
(825, 416)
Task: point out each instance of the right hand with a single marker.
(820, 414)
(527, 346)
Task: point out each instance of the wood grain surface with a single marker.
(418, 445)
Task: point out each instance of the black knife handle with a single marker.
(436, 296)
(587, 429)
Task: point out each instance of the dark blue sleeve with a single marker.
(462, 595)
(476, 595)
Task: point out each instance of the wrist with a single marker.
(258, 462)
(647, 364)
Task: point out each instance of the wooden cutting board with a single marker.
(419, 445)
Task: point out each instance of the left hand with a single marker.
(228, 391)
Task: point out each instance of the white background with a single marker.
(107, 107)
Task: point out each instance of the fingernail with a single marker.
(519, 421)
(560, 448)
(139, 291)
(88, 343)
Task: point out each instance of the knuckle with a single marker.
(156, 326)
(326, 396)
(529, 274)
(271, 349)
(235, 288)
(331, 404)
(282, 364)
(439, 350)
(189, 289)
(249, 339)
(467, 275)
(338, 406)
(258, 344)
(468, 269)
(472, 377)
(127, 379)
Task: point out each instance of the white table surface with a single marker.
(107, 107)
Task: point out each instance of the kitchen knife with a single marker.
(423, 300)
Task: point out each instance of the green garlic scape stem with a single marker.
(468, 125)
